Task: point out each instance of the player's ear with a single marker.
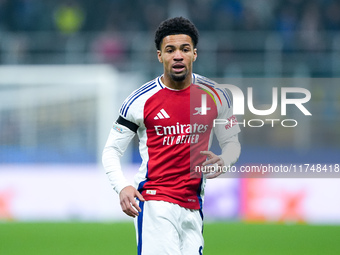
(159, 55)
(195, 54)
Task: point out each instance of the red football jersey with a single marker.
(174, 126)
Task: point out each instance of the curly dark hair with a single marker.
(175, 26)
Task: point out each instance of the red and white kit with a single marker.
(173, 127)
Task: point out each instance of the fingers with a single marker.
(135, 206)
(128, 207)
(128, 202)
(209, 154)
(212, 158)
(215, 162)
(139, 196)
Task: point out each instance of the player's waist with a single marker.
(187, 201)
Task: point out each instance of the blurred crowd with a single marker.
(99, 27)
(70, 16)
(106, 29)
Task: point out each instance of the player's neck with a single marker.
(178, 85)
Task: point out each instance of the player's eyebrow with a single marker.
(185, 45)
(181, 46)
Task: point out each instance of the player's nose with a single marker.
(178, 55)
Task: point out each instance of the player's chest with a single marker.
(179, 113)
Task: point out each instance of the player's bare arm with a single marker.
(127, 201)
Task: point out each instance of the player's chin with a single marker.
(178, 76)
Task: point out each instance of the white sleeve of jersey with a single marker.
(227, 134)
(231, 150)
(117, 142)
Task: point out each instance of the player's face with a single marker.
(177, 55)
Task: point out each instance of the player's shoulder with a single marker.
(202, 80)
(213, 87)
(138, 97)
(149, 87)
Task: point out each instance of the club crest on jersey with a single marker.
(199, 110)
(162, 115)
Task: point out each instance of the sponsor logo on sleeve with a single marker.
(117, 128)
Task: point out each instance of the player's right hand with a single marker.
(127, 201)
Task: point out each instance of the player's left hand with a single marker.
(214, 160)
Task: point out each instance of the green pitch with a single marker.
(118, 238)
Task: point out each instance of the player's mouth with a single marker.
(178, 67)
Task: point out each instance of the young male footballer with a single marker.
(173, 117)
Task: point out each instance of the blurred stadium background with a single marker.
(66, 66)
